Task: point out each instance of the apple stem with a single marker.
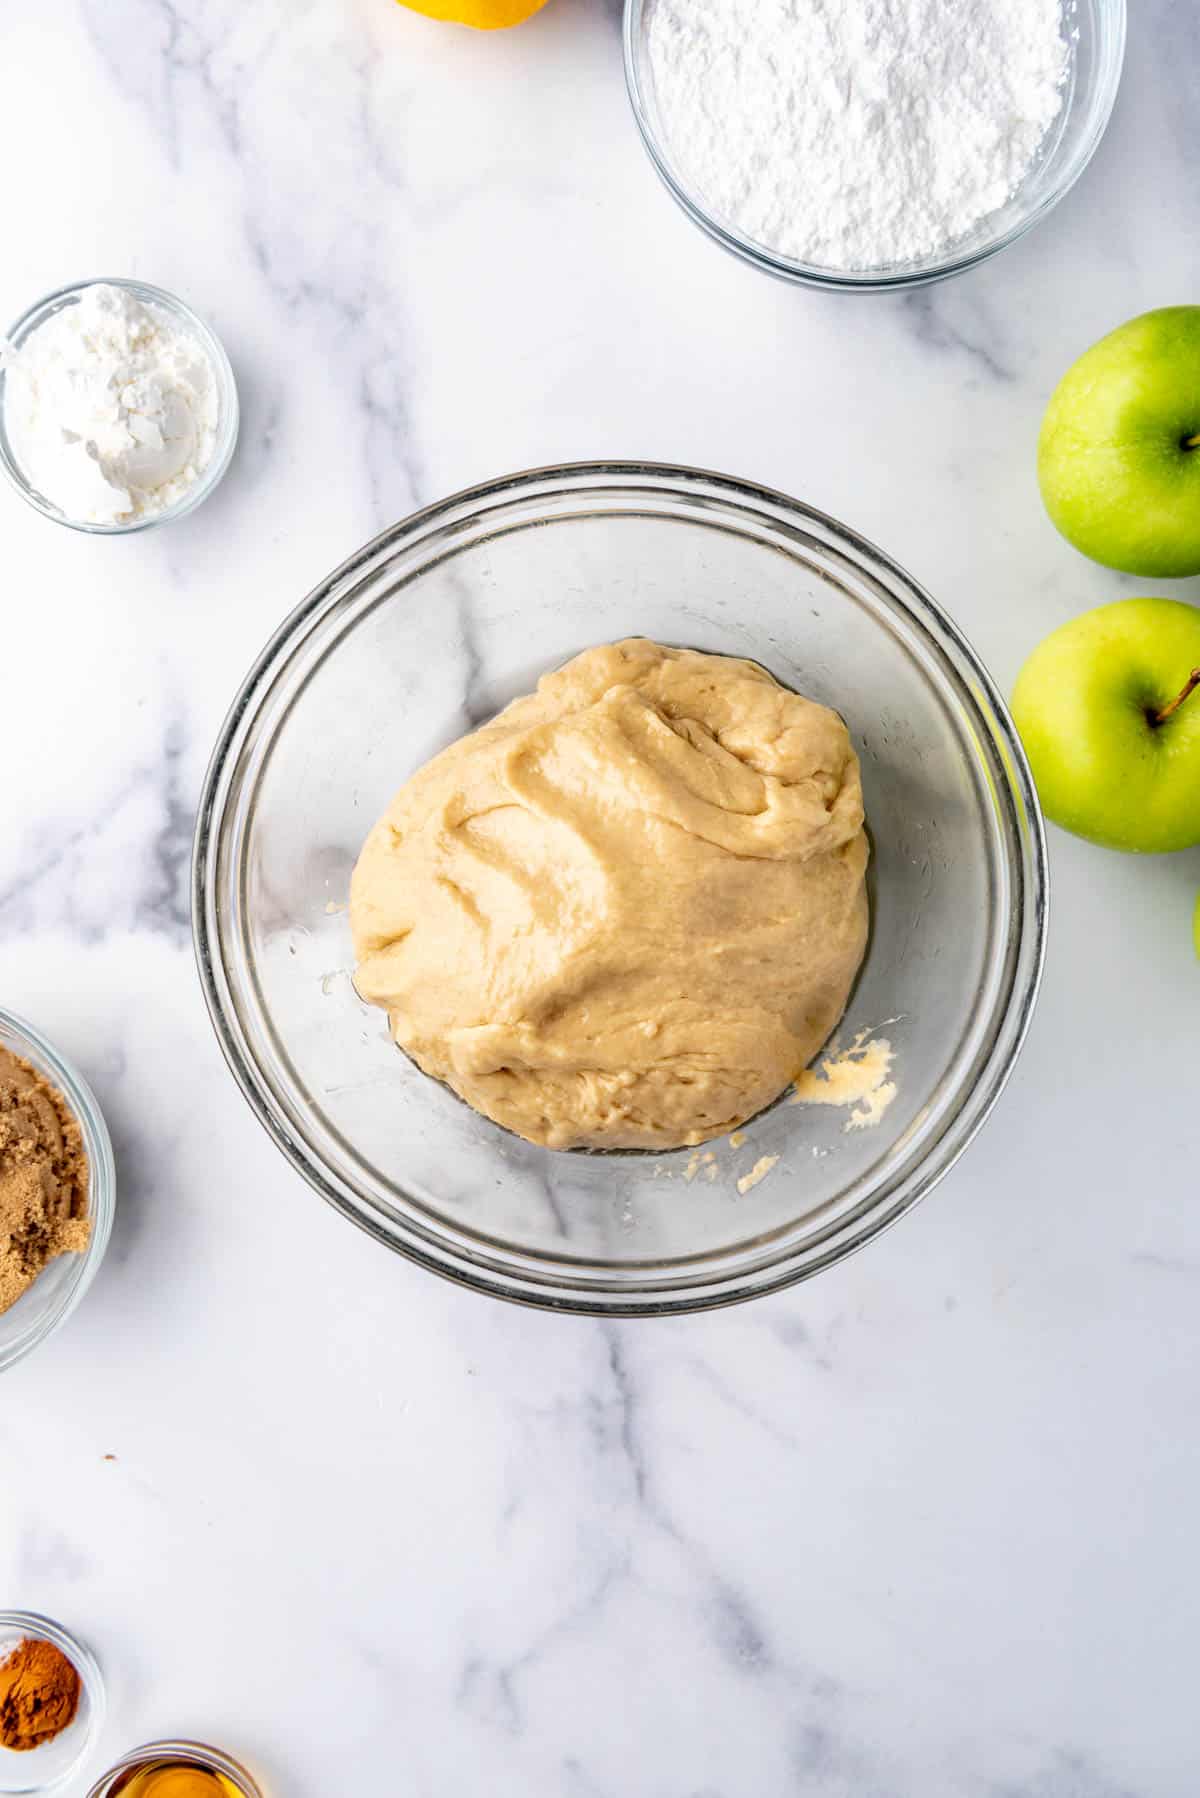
(1189, 687)
(1190, 443)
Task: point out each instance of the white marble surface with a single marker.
(925, 1526)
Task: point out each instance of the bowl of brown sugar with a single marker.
(57, 1189)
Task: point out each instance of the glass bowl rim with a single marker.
(975, 1098)
(102, 1182)
(876, 280)
(35, 1624)
(215, 1760)
(228, 423)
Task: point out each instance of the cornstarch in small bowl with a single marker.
(119, 407)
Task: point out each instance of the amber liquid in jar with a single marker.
(173, 1779)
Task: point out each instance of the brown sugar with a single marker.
(43, 1177)
(39, 1695)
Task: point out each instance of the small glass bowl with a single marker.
(56, 1292)
(1095, 31)
(434, 627)
(227, 405)
(47, 1769)
(194, 1753)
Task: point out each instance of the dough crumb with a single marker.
(868, 1114)
(857, 1076)
(737, 1139)
(701, 1164)
(759, 1171)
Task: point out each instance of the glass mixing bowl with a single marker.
(428, 631)
(1095, 32)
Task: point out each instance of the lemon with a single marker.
(484, 15)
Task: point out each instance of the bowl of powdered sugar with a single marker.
(871, 144)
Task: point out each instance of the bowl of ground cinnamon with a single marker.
(51, 1703)
(57, 1188)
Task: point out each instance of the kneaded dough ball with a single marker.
(627, 912)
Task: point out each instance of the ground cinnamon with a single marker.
(39, 1695)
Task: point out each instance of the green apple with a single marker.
(1119, 451)
(1109, 712)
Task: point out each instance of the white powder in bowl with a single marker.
(111, 407)
(855, 134)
